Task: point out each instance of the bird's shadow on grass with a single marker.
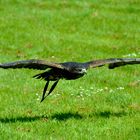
(21, 119)
(66, 116)
(108, 114)
(63, 116)
(57, 116)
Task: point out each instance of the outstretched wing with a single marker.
(31, 64)
(113, 62)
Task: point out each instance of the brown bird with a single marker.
(66, 70)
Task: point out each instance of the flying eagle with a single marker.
(66, 70)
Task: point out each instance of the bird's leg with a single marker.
(44, 91)
(52, 88)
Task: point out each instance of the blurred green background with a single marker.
(105, 104)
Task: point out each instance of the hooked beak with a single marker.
(84, 71)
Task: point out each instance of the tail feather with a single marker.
(43, 75)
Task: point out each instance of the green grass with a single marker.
(105, 104)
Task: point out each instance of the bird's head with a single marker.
(80, 70)
(74, 67)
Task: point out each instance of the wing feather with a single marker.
(113, 62)
(31, 64)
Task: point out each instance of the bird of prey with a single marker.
(66, 70)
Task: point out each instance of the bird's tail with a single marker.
(44, 75)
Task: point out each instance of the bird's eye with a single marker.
(79, 70)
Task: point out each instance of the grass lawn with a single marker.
(104, 104)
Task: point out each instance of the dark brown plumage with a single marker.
(66, 70)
